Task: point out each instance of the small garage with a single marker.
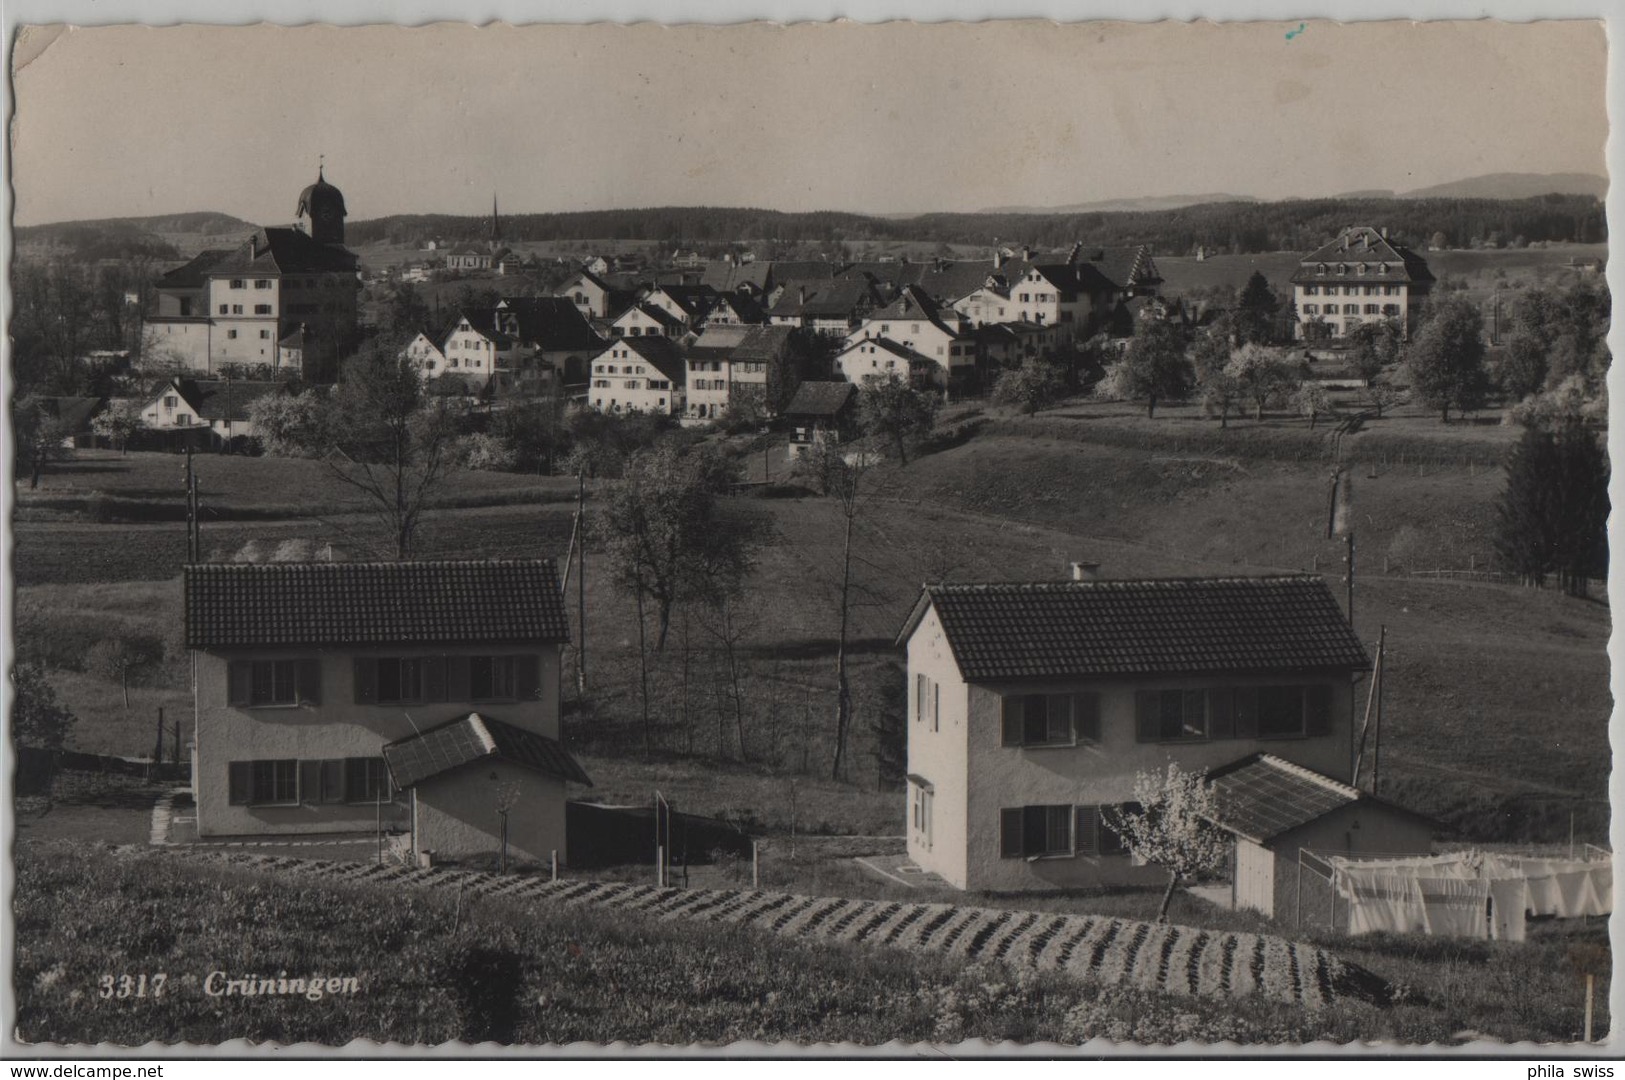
(471, 778)
(1275, 811)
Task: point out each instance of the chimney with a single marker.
(1385, 232)
(801, 293)
(998, 259)
(1027, 252)
(1085, 571)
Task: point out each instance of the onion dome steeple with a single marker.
(323, 204)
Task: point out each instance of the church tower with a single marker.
(323, 204)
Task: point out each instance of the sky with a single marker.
(893, 118)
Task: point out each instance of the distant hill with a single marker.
(1514, 186)
(1119, 206)
(165, 237)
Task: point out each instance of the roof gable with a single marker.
(234, 605)
(472, 738)
(1163, 627)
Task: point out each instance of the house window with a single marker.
(928, 701)
(491, 678)
(1371, 309)
(261, 683)
(321, 782)
(366, 779)
(236, 283)
(1051, 719)
(236, 309)
(391, 680)
(169, 401)
(1034, 832)
(1170, 715)
(224, 308)
(262, 309)
(1311, 309)
(262, 283)
(1390, 309)
(232, 334)
(264, 335)
(1093, 835)
(263, 783)
(1311, 290)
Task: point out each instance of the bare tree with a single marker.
(388, 440)
(731, 619)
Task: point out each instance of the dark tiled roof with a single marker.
(472, 738)
(225, 399)
(694, 299)
(724, 277)
(896, 349)
(1262, 797)
(193, 274)
(838, 298)
(662, 353)
(1172, 626)
(1363, 245)
(283, 251)
(746, 308)
(233, 605)
(821, 399)
(73, 413)
(658, 314)
(763, 343)
(1128, 266)
(781, 272)
(550, 323)
(952, 282)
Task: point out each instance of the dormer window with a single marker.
(1342, 268)
(1382, 268)
(1321, 269)
(1362, 268)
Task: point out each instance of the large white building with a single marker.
(1359, 277)
(233, 306)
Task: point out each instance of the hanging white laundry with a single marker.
(1456, 907)
(1381, 901)
(1508, 901)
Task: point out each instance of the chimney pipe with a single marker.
(998, 259)
(1085, 571)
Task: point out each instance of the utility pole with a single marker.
(191, 507)
(158, 749)
(1349, 558)
(581, 581)
(1376, 750)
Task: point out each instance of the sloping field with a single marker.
(1171, 959)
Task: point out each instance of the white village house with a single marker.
(1033, 706)
(330, 697)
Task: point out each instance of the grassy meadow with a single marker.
(433, 967)
(1496, 697)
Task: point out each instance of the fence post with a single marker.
(755, 866)
(553, 861)
(660, 866)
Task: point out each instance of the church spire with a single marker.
(496, 224)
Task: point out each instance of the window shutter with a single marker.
(457, 678)
(1086, 717)
(1035, 724)
(239, 782)
(1110, 842)
(1195, 712)
(919, 697)
(366, 680)
(1147, 715)
(1247, 712)
(310, 682)
(239, 682)
(1034, 829)
(333, 780)
(1221, 713)
(1317, 707)
(310, 782)
(434, 678)
(526, 677)
(936, 705)
(1012, 721)
(1086, 834)
(1010, 832)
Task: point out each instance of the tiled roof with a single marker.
(1172, 626)
(658, 314)
(896, 349)
(660, 352)
(762, 343)
(1362, 245)
(283, 251)
(193, 274)
(838, 298)
(781, 272)
(472, 738)
(1262, 797)
(223, 399)
(550, 323)
(821, 399)
(726, 277)
(243, 604)
(73, 413)
(954, 281)
(717, 342)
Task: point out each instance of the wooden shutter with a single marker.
(240, 783)
(936, 705)
(366, 680)
(526, 676)
(310, 782)
(1086, 832)
(1010, 833)
(1034, 829)
(1317, 708)
(457, 678)
(1147, 715)
(1221, 713)
(1012, 721)
(333, 780)
(1195, 725)
(310, 682)
(239, 682)
(434, 678)
(919, 697)
(1086, 717)
(1246, 712)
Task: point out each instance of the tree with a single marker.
(287, 425)
(1523, 367)
(116, 659)
(895, 414)
(1374, 347)
(1220, 391)
(38, 435)
(1030, 387)
(1552, 517)
(1447, 358)
(118, 423)
(384, 437)
(1171, 825)
(842, 481)
(1155, 366)
(1312, 401)
(1256, 309)
(1381, 395)
(38, 720)
(1262, 376)
(534, 429)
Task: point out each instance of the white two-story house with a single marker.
(1033, 706)
(422, 696)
